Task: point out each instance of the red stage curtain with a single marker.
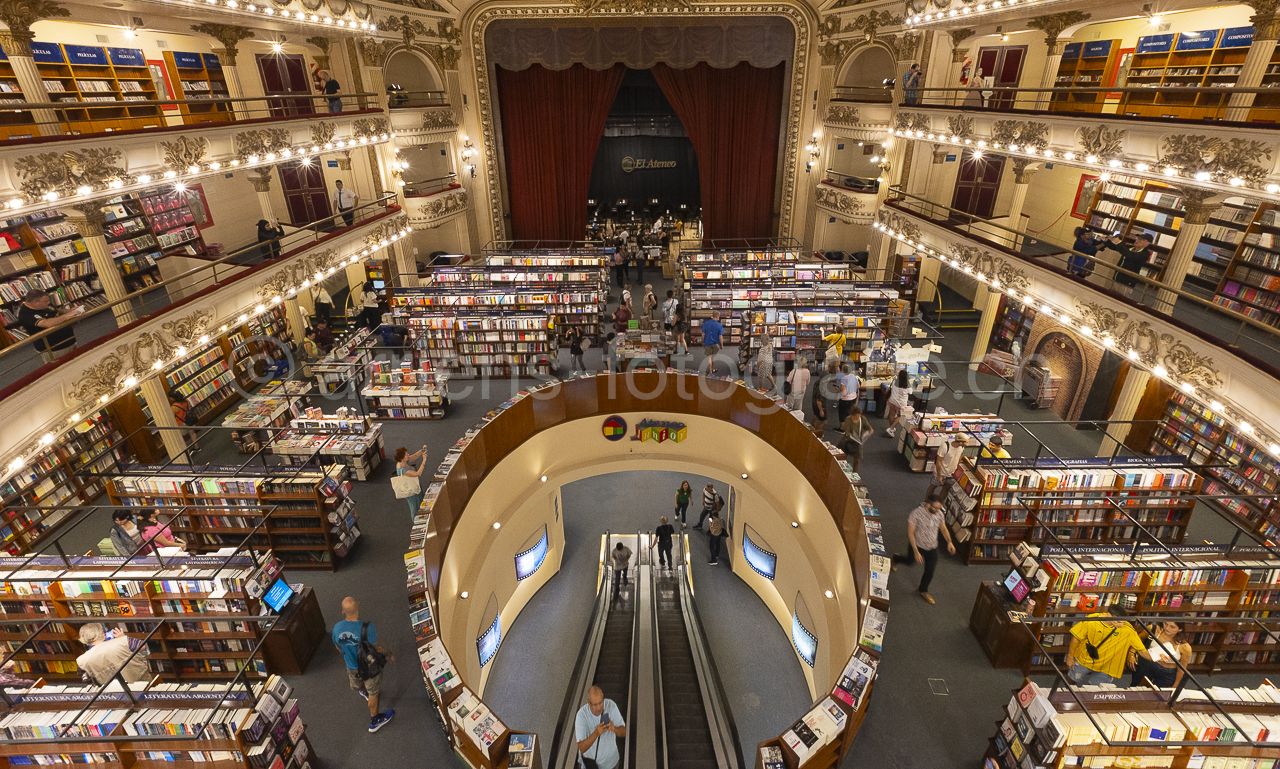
(732, 117)
(552, 121)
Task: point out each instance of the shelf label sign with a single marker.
(127, 57)
(186, 60)
(86, 54)
(1097, 48)
(1237, 37)
(1155, 43)
(211, 61)
(4, 57)
(1197, 41)
(46, 53)
(1072, 51)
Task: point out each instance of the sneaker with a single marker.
(713, 563)
(381, 720)
(889, 433)
(927, 597)
(364, 694)
(684, 525)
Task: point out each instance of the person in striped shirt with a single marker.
(711, 502)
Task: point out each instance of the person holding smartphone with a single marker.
(596, 727)
(269, 232)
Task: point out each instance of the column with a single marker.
(175, 441)
(242, 109)
(1184, 247)
(930, 266)
(1135, 384)
(261, 182)
(878, 259)
(293, 314)
(89, 222)
(406, 264)
(990, 308)
(958, 55)
(1266, 30)
(1021, 180)
(1049, 76)
(17, 44)
(228, 35)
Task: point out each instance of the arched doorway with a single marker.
(869, 68)
(408, 72)
(1062, 355)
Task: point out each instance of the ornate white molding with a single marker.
(846, 205)
(135, 359)
(802, 19)
(423, 126)
(433, 211)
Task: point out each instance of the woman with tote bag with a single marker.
(405, 482)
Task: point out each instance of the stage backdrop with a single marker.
(640, 168)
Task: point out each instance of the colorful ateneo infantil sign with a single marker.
(614, 428)
(660, 432)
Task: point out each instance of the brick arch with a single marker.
(1077, 364)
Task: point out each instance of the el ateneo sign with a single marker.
(630, 164)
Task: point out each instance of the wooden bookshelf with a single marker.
(1266, 106)
(1013, 322)
(927, 433)
(18, 124)
(1211, 58)
(1131, 205)
(574, 296)
(989, 512)
(313, 525)
(409, 392)
(1232, 463)
(1085, 65)
(199, 76)
(476, 338)
(67, 472)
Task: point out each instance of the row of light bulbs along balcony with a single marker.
(1102, 164)
(303, 153)
(1082, 327)
(129, 382)
(968, 10)
(267, 10)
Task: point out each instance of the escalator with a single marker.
(688, 736)
(613, 666)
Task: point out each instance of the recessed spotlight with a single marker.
(829, 594)
(464, 595)
(543, 479)
(795, 524)
(496, 525)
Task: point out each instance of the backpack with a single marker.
(369, 661)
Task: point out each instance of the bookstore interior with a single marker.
(1052, 351)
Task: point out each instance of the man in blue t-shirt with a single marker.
(596, 727)
(712, 334)
(346, 637)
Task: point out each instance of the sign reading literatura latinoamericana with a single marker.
(630, 164)
(660, 432)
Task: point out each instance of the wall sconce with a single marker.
(814, 151)
(468, 149)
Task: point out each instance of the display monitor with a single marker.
(1017, 586)
(278, 596)
(489, 641)
(806, 643)
(378, 285)
(529, 561)
(761, 561)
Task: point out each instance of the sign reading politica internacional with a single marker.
(630, 164)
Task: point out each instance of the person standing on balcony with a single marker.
(345, 200)
(974, 97)
(910, 82)
(331, 89)
(1132, 258)
(269, 232)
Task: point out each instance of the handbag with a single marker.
(405, 486)
(369, 661)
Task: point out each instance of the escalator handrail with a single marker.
(572, 698)
(722, 697)
(657, 646)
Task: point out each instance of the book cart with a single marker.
(1095, 726)
(304, 515)
(999, 503)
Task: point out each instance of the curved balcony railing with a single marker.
(430, 186)
(851, 182)
(1194, 104)
(21, 360)
(398, 98)
(862, 95)
(1235, 333)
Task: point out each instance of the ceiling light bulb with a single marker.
(1187, 387)
(1202, 176)
(1068, 156)
(1160, 371)
(795, 524)
(1142, 167)
(1132, 354)
(1091, 159)
(1246, 427)
(1170, 171)
(1215, 405)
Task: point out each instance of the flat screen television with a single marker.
(278, 596)
(1016, 585)
(761, 561)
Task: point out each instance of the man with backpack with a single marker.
(358, 642)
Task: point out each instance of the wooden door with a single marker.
(304, 193)
(1004, 65)
(285, 73)
(977, 184)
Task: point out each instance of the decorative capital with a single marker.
(1266, 27)
(321, 42)
(187, 152)
(261, 180)
(958, 36)
(16, 44)
(1052, 24)
(958, 55)
(1200, 205)
(89, 221)
(445, 56)
(227, 34)
(834, 52)
(19, 15)
(373, 53)
(1021, 170)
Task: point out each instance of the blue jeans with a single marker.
(1081, 675)
(335, 105)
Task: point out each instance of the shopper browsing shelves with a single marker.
(156, 534)
(1159, 663)
(108, 655)
(994, 449)
(1100, 647)
(924, 525)
(597, 727)
(944, 466)
(355, 639)
(124, 533)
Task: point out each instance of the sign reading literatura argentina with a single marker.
(630, 164)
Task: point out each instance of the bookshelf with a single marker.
(869, 301)
(42, 251)
(311, 519)
(199, 76)
(1000, 503)
(1210, 581)
(1086, 65)
(1233, 463)
(1266, 106)
(1211, 58)
(1049, 728)
(421, 392)
(252, 420)
(203, 379)
(1013, 322)
(347, 438)
(800, 331)
(926, 433)
(472, 343)
(84, 75)
(574, 296)
(67, 472)
(18, 124)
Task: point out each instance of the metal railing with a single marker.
(398, 98)
(84, 119)
(862, 94)
(23, 357)
(1162, 103)
(430, 186)
(850, 181)
(1231, 330)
